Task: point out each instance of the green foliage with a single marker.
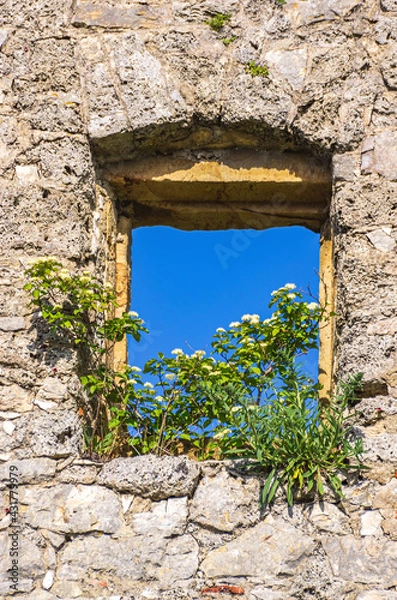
(218, 21)
(299, 444)
(229, 40)
(79, 310)
(256, 70)
(247, 399)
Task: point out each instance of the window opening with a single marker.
(187, 284)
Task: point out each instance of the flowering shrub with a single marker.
(248, 398)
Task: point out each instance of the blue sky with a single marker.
(186, 284)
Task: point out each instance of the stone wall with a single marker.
(87, 84)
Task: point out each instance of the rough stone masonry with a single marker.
(89, 84)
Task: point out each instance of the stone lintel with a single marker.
(240, 189)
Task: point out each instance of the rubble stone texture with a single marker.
(93, 87)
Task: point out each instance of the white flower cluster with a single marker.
(135, 369)
(198, 354)
(132, 313)
(177, 351)
(234, 324)
(253, 319)
(220, 330)
(312, 306)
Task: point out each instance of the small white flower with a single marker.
(132, 313)
(133, 381)
(207, 367)
(222, 433)
(312, 306)
(234, 324)
(159, 398)
(198, 354)
(252, 407)
(274, 292)
(255, 319)
(290, 286)
(291, 296)
(177, 351)
(135, 369)
(246, 318)
(266, 321)
(170, 376)
(147, 384)
(220, 330)
(236, 409)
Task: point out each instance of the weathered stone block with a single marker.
(370, 523)
(386, 497)
(72, 509)
(33, 470)
(315, 11)
(389, 68)
(379, 155)
(269, 548)
(368, 561)
(152, 477)
(224, 503)
(102, 14)
(327, 517)
(56, 435)
(166, 518)
(133, 558)
(12, 323)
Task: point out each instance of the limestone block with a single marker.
(381, 447)
(386, 497)
(12, 323)
(152, 477)
(370, 523)
(52, 389)
(168, 518)
(269, 548)
(48, 580)
(379, 155)
(146, 88)
(102, 14)
(290, 64)
(66, 508)
(31, 470)
(16, 398)
(389, 68)
(30, 559)
(224, 503)
(133, 557)
(327, 517)
(363, 561)
(313, 11)
(106, 112)
(27, 174)
(382, 239)
(56, 434)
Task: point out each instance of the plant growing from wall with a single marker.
(247, 399)
(217, 21)
(79, 312)
(256, 70)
